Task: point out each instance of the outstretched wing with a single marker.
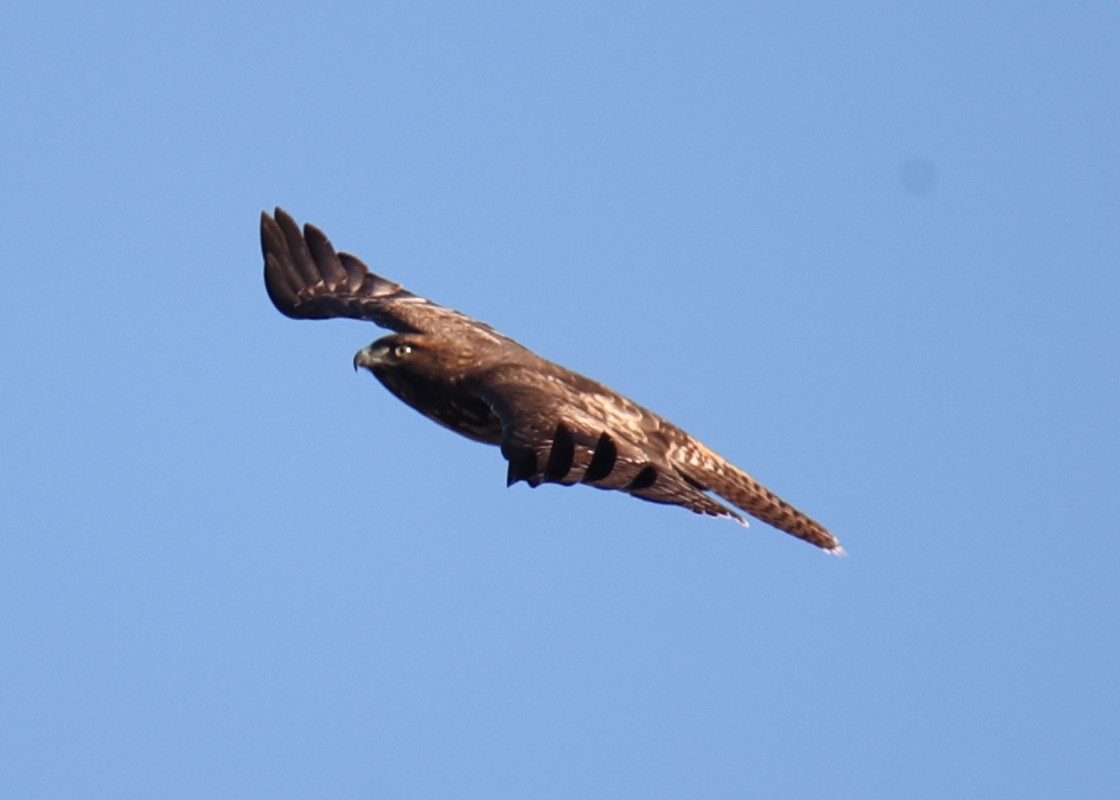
(554, 434)
(307, 279)
(557, 431)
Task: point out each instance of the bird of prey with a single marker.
(552, 425)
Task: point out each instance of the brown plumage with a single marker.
(552, 425)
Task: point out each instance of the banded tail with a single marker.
(712, 473)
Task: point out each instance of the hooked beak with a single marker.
(370, 357)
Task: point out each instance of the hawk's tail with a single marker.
(717, 475)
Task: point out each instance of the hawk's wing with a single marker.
(307, 279)
(553, 434)
(556, 432)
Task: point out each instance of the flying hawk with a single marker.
(552, 425)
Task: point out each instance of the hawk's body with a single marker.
(552, 424)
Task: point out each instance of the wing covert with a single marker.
(549, 435)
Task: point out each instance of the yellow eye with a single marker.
(402, 350)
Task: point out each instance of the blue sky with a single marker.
(867, 251)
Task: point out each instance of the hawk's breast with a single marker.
(447, 404)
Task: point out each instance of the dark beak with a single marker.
(370, 357)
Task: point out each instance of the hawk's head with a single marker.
(402, 352)
(426, 372)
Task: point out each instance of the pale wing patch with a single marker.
(694, 454)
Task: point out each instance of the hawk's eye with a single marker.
(402, 350)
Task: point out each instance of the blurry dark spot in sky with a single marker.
(918, 176)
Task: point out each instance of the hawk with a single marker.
(552, 425)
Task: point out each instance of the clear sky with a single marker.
(868, 251)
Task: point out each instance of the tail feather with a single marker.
(723, 478)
